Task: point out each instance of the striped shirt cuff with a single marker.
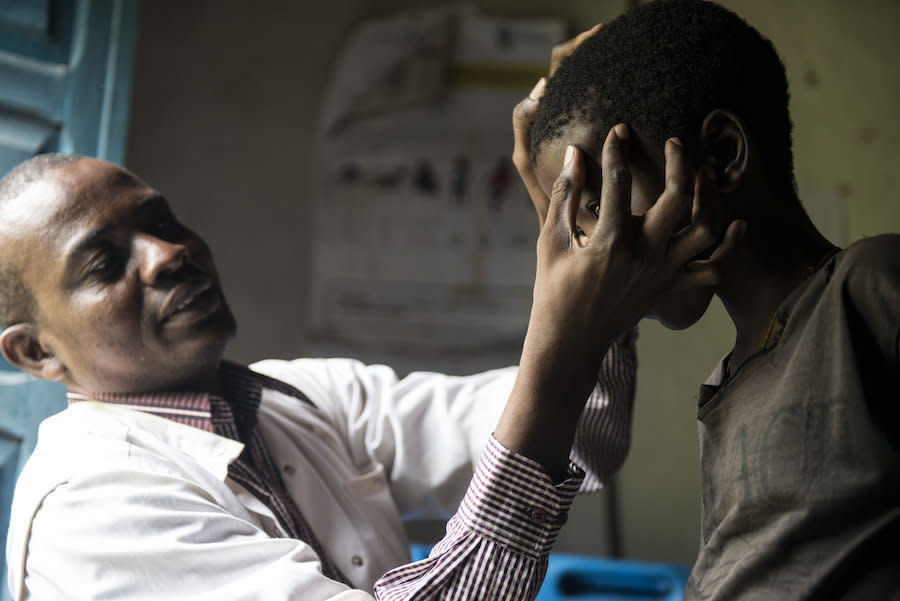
(512, 501)
(497, 544)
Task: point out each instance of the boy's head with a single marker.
(672, 68)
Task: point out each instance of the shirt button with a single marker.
(538, 516)
(356, 560)
(288, 469)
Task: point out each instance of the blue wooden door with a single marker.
(65, 86)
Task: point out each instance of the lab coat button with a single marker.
(356, 560)
(288, 469)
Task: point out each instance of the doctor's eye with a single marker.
(105, 265)
(166, 226)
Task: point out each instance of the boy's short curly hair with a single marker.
(661, 68)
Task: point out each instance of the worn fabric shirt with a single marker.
(117, 503)
(800, 452)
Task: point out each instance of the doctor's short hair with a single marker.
(661, 68)
(16, 301)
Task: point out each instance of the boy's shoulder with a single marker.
(866, 277)
(869, 265)
(874, 250)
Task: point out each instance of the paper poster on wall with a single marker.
(424, 242)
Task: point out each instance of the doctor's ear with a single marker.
(20, 346)
(725, 145)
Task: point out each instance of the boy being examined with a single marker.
(799, 432)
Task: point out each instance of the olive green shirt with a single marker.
(800, 448)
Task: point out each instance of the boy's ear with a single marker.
(20, 346)
(724, 144)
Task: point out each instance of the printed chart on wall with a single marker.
(424, 236)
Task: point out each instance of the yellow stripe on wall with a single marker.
(488, 75)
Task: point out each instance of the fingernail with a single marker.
(621, 131)
(676, 142)
(538, 90)
(570, 155)
(742, 229)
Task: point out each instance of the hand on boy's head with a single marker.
(692, 199)
(589, 288)
(564, 49)
(660, 191)
(522, 116)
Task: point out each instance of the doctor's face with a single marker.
(127, 298)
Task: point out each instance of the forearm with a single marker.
(539, 422)
(597, 439)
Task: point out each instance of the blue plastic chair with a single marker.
(574, 577)
(585, 578)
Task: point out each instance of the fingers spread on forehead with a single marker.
(560, 223)
(615, 190)
(706, 226)
(673, 209)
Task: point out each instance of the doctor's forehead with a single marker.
(66, 193)
(92, 179)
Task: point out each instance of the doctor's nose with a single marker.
(159, 257)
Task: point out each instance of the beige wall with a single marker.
(224, 104)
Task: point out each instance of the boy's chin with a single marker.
(682, 310)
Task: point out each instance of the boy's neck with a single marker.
(778, 255)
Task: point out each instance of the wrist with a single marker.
(544, 408)
(562, 368)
